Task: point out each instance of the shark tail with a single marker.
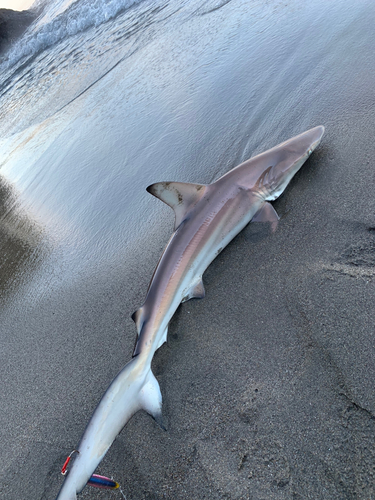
(151, 399)
(134, 388)
(67, 493)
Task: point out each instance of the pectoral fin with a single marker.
(267, 214)
(150, 398)
(180, 196)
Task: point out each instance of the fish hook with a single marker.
(65, 466)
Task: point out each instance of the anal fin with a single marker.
(163, 338)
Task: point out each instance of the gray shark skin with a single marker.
(207, 218)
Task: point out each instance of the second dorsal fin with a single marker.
(138, 319)
(181, 196)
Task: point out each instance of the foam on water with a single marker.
(85, 50)
(61, 21)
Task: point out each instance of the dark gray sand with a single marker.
(267, 383)
(12, 25)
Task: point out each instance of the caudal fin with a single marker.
(67, 492)
(151, 399)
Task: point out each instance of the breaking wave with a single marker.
(77, 18)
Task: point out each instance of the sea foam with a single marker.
(48, 30)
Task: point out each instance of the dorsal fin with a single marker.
(137, 317)
(181, 196)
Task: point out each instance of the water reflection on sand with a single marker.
(22, 244)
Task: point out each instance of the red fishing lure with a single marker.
(95, 480)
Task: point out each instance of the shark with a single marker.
(207, 218)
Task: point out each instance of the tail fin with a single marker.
(66, 493)
(151, 400)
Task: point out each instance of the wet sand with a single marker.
(267, 383)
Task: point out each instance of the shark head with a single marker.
(289, 158)
(268, 174)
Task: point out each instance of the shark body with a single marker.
(207, 218)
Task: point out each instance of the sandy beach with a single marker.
(267, 382)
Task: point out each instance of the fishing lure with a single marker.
(95, 480)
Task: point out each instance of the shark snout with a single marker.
(294, 153)
(314, 136)
(287, 158)
(300, 146)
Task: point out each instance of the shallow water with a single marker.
(163, 92)
(97, 101)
